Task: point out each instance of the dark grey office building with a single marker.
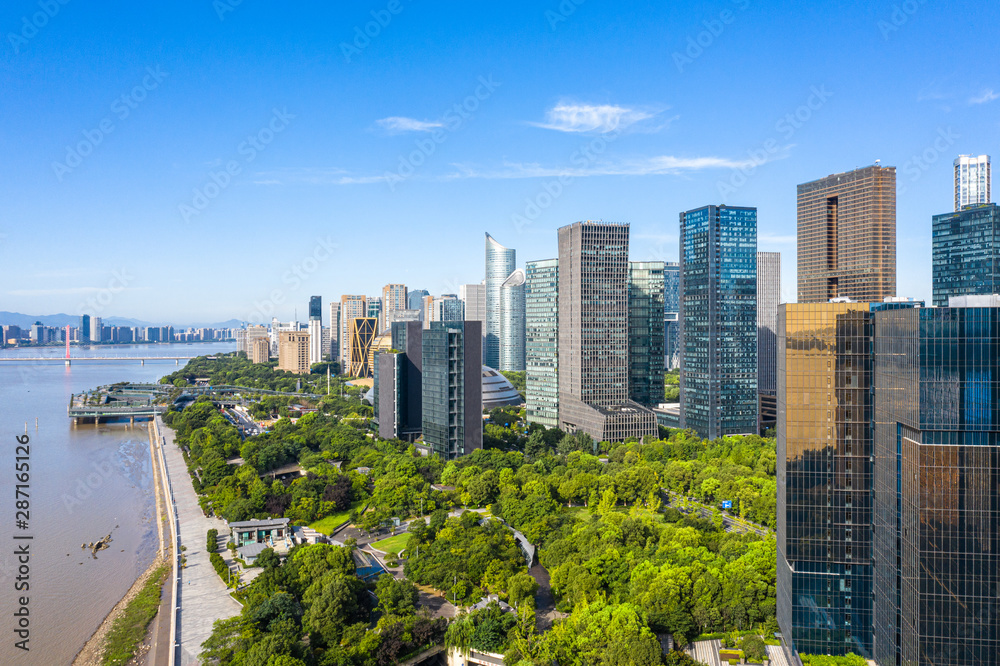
(966, 253)
(718, 315)
(398, 383)
(937, 487)
(452, 387)
(594, 276)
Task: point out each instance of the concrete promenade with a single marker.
(202, 596)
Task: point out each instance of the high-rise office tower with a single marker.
(719, 320)
(335, 331)
(972, 181)
(645, 332)
(293, 352)
(393, 299)
(937, 484)
(315, 329)
(512, 323)
(541, 324)
(847, 236)
(399, 383)
(824, 575)
(965, 252)
(85, 328)
(362, 335)
(594, 334)
(415, 299)
(768, 298)
(474, 297)
(671, 311)
(500, 263)
(404, 316)
(452, 388)
(375, 311)
(351, 308)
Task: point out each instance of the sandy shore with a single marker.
(93, 649)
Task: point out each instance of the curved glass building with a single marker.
(512, 323)
(500, 263)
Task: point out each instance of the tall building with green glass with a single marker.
(452, 387)
(645, 331)
(966, 253)
(542, 341)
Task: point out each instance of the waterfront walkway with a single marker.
(202, 596)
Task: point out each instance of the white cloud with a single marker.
(986, 96)
(646, 166)
(573, 117)
(399, 124)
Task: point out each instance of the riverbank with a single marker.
(93, 650)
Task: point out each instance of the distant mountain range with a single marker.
(25, 321)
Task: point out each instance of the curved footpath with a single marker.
(202, 597)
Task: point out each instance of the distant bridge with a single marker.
(56, 359)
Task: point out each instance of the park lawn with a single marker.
(326, 525)
(393, 544)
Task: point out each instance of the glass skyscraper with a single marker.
(500, 263)
(972, 181)
(718, 312)
(847, 236)
(937, 486)
(645, 332)
(966, 253)
(824, 574)
(512, 323)
(542, 342)
(671, 308)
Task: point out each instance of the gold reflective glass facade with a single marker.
(824, 477)
(847, 236)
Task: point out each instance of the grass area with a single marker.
(129, 630)
(327, 525)
(393, 544)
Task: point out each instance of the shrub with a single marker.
(213, 540)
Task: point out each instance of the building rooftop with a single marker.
(268, 522)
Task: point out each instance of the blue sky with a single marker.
(198, 161)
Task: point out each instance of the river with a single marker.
(86, 481)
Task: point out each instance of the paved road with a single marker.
(729, 523)
(202, 596)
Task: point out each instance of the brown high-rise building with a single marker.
(293, 352)
(260, 350)
(847, 236)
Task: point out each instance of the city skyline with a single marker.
(324, 156)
